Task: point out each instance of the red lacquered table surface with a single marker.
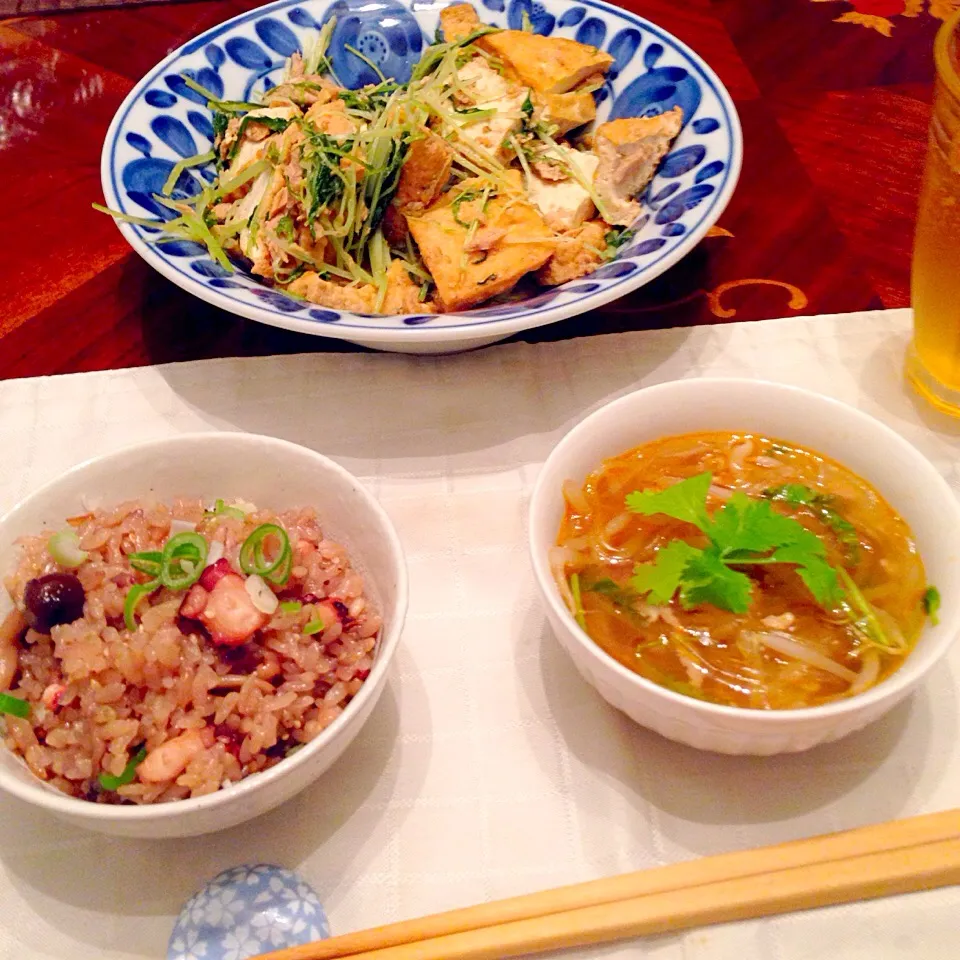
(833, 96)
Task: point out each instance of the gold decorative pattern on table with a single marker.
(877, 14)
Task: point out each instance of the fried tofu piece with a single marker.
(548, 64)
(566, 111)
(465, 278)
(459, 21)
(578, 253)
(424, 174)
(403, 294)
(630, 150)
(311, 286)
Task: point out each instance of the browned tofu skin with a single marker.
(424, 174)
(566, 111)
(402, 296)
(464, 279)
(578, 253)
(548, 64)
(459, 21)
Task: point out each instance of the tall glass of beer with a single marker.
(933, 361)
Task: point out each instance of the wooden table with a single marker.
(833, 96)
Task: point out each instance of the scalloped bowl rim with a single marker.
(470, 329)
(909, 675)
(74, 808)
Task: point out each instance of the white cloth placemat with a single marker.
(488, 768)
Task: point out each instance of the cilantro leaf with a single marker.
(820, 578)
(743, 532)
(707, 579)
(686, 500)
(659, 581)
(744, 524)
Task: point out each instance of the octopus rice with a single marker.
(190, 659)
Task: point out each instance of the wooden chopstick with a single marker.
(581, 905)
(860, 878)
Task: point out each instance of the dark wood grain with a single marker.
(834, 114)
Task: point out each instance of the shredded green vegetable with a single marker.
(195, 161)
(578, 600)
(314, 626)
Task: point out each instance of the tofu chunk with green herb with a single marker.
(564, 203)
(630, 150)
(479, 239)
(548, 64)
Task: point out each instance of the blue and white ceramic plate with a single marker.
(162, 121)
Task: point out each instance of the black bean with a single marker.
(53, 599)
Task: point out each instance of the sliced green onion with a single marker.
(14, 706)
(221, 509)
(314, 626)
(291, 606)
(253, 558)
(282, 574)
(147, 561)
(64, 547)
(109, 782)
(137, 592)
(184, 557)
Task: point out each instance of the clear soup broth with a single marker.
(763, 616)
